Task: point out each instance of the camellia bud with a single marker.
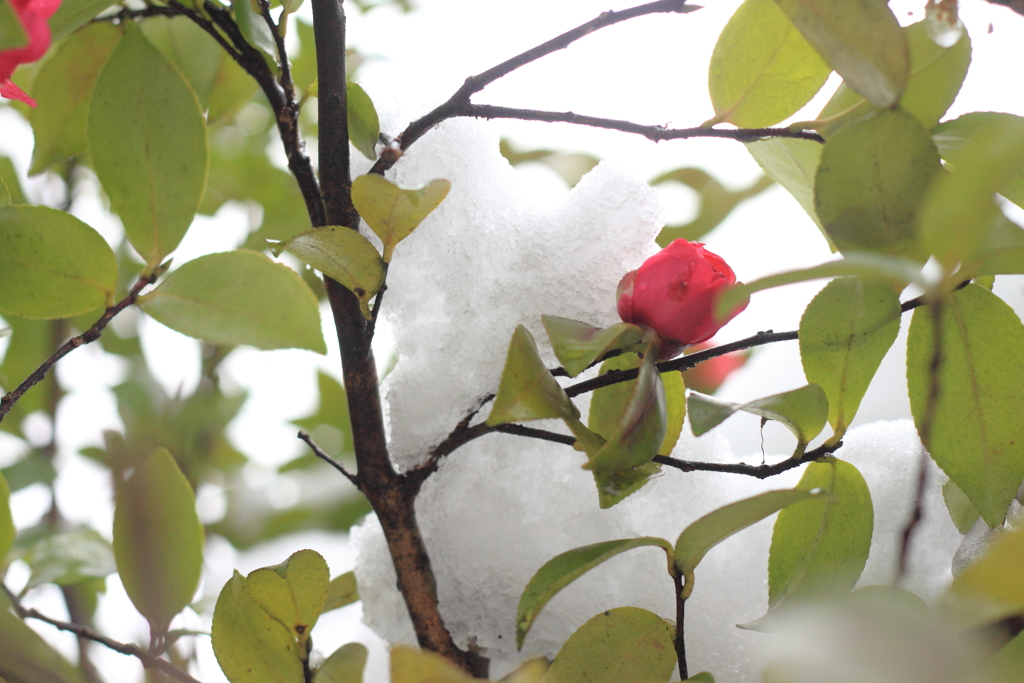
(33, 15)
(674, 293)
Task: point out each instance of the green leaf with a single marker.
(52, 265)
(232, 88)
(762, 70)
(993, 582)
(7, 530)
(5, 194)
(622, 644)
(363, 124)
(615, 485)
(409, 665)
(251, 647)
(31, 343)
(70, 558)
(977, 435)
(158, 540)
(961, 509)
(25, 657)
(872, 178)
(702, 677)
(561, 570)
(254, 28)
(63, 90)
(962, 203)
(893, 268)
(527, 390)
(343, 255)
(238, 297)
(293, 592)
(793, 164)
(149, 149)
(844, 334)
(860, 39)
(956, 137)
(675, 403)
(936, 74)
(819, 547)
(341, 591)
(73, 14)
(578, 345)
(802, 411)
(394, 212)
(716, 202)
(713, 528)
(345, 665)
(190, 48)
(12, 33)
(631, 416)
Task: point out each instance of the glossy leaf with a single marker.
(872, 178)
(70, 558)
(251, 647)
(293, 592)
(844, 335)
(188, 47)
(341, 591)
(819, 547)
(977, 436)
(578, 345)
(622, 644)
(254, 28)
(7, 530)
(410, 665)
(860, 39)
(631, 416)
(793, 164)
(713, 528)
(345, 665)
(936, 74)
(63, 91)
(238, 297)
(961, 204)
(762, 69)
(158, 540)
(393, 212)
(52, 265)
(148, 141)
(12, 33)
(893, 268)
(561, 570)
(73, 14)
(994, 580)
(707, 412)
(716, 202)
(343, 255)
(363, 124)
(527, 390)
(25, 657)
(956, 137)
(961, 509)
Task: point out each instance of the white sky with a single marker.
(650, 70)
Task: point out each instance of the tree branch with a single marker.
(758, 471)
(87, 337)
(318, 452)
(130, 649)
(285, 79)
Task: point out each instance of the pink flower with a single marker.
(707, 377)
(33, 15)
(674, 294)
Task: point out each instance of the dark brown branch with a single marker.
(285, 79)
(758, 471)
(680, 635)
(87, 337)
(318, 452)
(532, 433)
(130, 649)
(207, 26)
(475, 84)
(126, 14)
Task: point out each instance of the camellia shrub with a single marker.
(486, 494)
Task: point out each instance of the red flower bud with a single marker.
(33, 15)
(674, 294)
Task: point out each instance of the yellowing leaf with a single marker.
(238, 297)
(52, 265)
(158, 540)
(341, 591)
(344, 666)
(148, 142)
(393, 212)
(409, 665)
(293, 593)
(363, 124)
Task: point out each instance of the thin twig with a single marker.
(318, 452)
(285, 79)
(126, 14)
(207, 26)
(758, 471)
(475, 84)
(130, 649)
(87, 337)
